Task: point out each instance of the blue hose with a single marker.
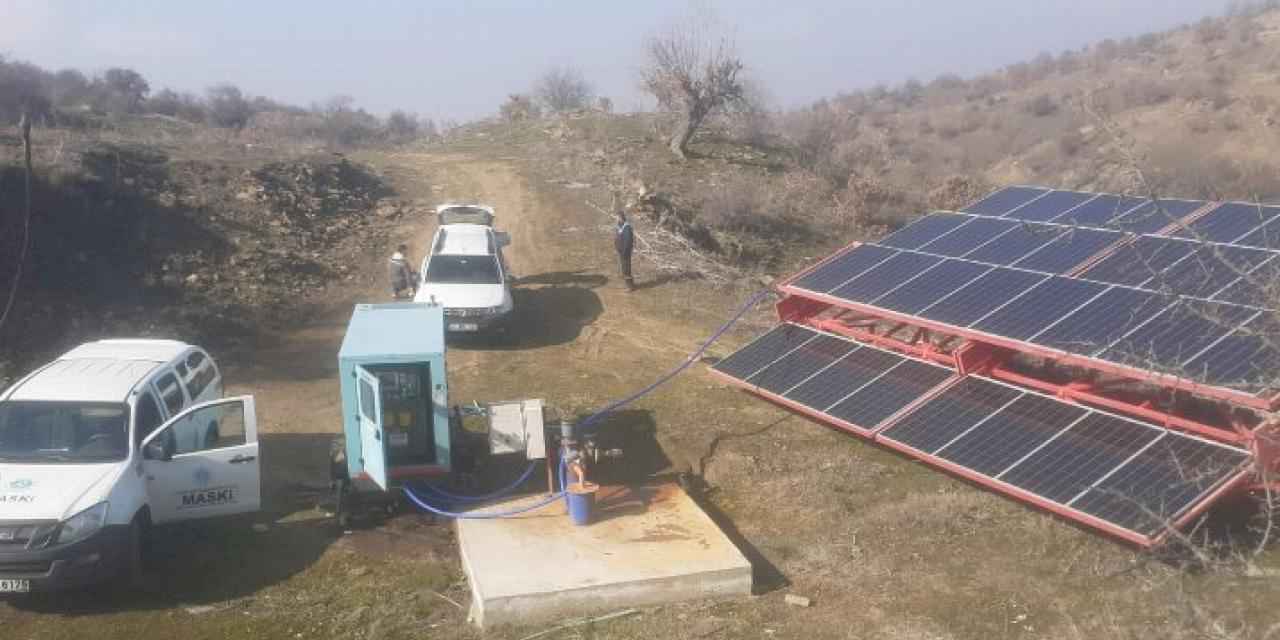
(488, 515)
(684, 365)
(487, 496)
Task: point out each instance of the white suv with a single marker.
(108, 439)
(465, 271)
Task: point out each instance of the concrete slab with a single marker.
(647, 546)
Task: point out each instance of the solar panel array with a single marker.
(1087, 463)
(1063, 270)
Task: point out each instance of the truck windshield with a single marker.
(63, 432)
(462, 270)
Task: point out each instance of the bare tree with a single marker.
(126, 90)
(563, 89)
(228, 106)
(692, 70)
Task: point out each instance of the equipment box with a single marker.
(395, 396)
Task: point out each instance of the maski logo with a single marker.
(207, 498)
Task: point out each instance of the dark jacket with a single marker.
(624, 238)
(398, 271)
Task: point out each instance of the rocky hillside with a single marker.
(212, 242)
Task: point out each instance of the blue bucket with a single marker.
(581, 497)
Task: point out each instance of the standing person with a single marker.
(624, 240)
(400, 274)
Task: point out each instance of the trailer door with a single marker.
(373, 451)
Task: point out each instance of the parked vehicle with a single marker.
(465, 271)
(109, 439)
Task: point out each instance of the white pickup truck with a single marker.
(106, 441)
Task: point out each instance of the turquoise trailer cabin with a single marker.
(395, 394)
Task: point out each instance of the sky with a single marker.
(459, 60)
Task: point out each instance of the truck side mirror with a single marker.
(502, 238)
(155, 450)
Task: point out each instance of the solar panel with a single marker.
(1063, 467)
(1133, 476)
(924, 230)
(981, 296)
(889, 394)
(946, 416)
(1008, 435)
(1068, 250)
(778, 342)
(1256, 287)
(1248, 358)
(971, 235)
(1118, 470)
(1154, 488)
(802, 362)
(1014, 244)
(1039, 307)
(1177, 335)
(942, 280)
(1206, 271)
(1228, 222)
(1154, 216)
(885, 276)
(846, 266)
(847, 375)
(1099, 211)
(1050, 205)
(1102, 321)
(1136, 263)
(1267, 236)
(1005, 200)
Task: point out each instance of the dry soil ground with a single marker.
(884, 547)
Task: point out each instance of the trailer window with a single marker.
(367, 401)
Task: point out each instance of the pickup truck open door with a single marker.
(216, 474)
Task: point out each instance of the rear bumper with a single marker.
(95, 559)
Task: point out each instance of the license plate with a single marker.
(15, 586)
(463, 326)
(398, 439)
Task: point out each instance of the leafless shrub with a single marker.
(1071, 142)
(691, 70)
(948, 82)
(563, 89)
(1209, 30)
(402, 126)
(1041, 106)
(519, 108)
(1144, 92)
(1199, 124)
(227, 106)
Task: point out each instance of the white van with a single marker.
(466, 273)
(107, 440)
